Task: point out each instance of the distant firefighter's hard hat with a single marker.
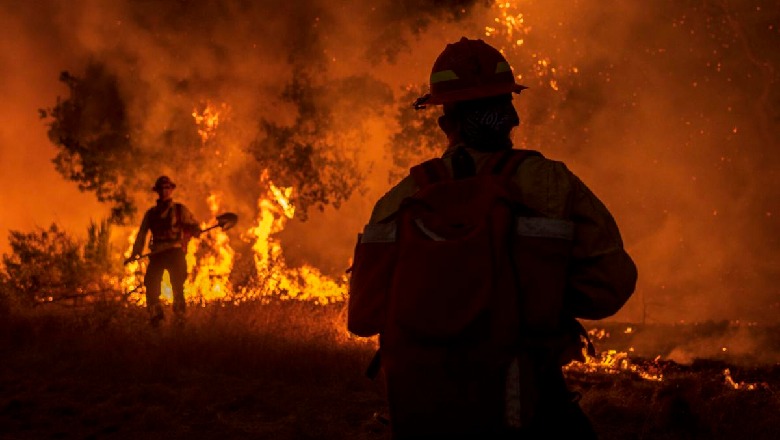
(161, 181)
(466, 70)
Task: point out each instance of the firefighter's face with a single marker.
(165, 192)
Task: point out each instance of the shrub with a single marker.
(49, 265)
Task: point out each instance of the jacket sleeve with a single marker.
(140, 238)
(602, 275)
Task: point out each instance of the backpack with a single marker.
(433, 266)
(453, 262)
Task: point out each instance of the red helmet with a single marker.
(466, 70)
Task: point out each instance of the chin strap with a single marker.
(419, 103)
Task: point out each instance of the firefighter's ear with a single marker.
(447, 125)
(442, 123)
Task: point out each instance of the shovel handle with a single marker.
(219, 224)
(130, 260)
(209, 228)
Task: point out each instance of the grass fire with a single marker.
(281, 126)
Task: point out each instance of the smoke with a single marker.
(669, 113)
(32, 193)
(670, 118)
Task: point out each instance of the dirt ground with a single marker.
(290, 371)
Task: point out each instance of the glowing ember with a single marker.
(598, 334)
(508, 30)
(614, 362)
(509, 23)
(741, 385)
(207, 120)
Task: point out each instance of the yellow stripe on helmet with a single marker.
(502, 66)
(444, 75)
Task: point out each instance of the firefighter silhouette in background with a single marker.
(474, 268)
(172, 225)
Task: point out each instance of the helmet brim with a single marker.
(158, 187)
(473, 93)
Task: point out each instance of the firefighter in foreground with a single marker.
(474, 268)
(172, 225)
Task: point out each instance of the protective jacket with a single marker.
(601, 275)
(171, 225)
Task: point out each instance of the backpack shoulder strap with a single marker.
(516, 158)
(506, 163)
(429, 172)
(177, 212)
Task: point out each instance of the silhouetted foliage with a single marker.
(103, 269)
(42, 264)
(49, 265)
(314, 155)
(418, 136)
(91, 131)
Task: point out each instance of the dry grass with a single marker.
(289, 371)
(281, 371)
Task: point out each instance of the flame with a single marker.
(614, 362)
(207, 120)
(166, 289)
(282, 197)
(304, 283)
(209, 274)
